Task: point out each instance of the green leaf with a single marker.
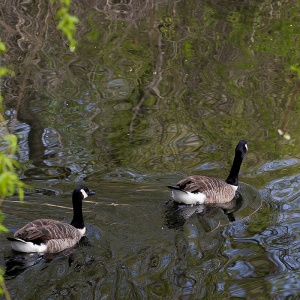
(4, 71)
(66, 2)
(296, 69)
(67, 23)
(12, 142)
(21, 193)
(3, 228)
(2, 47)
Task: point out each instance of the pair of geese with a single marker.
(51, 236)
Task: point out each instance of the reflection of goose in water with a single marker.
(231, 207)
(52, 236)
(17, 264)
(206, 190)
(246, 202)
(176, 214)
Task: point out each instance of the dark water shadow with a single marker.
(17, 263)
(38, 151)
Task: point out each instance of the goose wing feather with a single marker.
(200, 184)
(215, 189)
(57, 245)
(31, 226)
(46, 230)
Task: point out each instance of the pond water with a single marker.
(155, 91)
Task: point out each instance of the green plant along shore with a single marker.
(10, 183)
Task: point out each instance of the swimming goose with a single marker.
(51, 236)
(203, 190)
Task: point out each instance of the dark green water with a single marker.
(156, 91)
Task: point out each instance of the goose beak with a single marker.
(90, 193)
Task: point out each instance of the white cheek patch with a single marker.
(83, 192)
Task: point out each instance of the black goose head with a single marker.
(81, 192)
(241, 148)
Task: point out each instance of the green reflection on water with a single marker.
(157, 91)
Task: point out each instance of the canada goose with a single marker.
(203, 190)
(51, 236)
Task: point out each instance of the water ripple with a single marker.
(285, 189)
(278, 164)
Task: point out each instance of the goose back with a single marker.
(56, 235)
(33, 227)
(214, 190)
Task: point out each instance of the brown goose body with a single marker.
(199, 189)
(52, 236)
(49, 236)
(214, 189)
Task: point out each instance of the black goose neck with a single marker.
(235, 169)
(77, 220)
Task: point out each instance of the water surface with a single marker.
(155, 91)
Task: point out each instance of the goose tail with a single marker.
(16, 240)
(176, 187)
(24, 246)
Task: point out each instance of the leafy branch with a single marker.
(67, 23)
(9, 180)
